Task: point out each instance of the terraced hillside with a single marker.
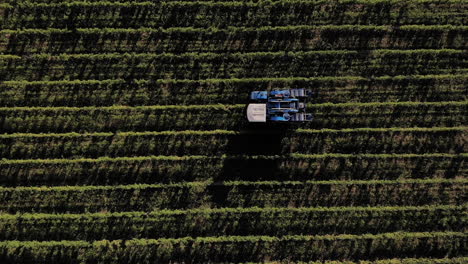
(123, 132)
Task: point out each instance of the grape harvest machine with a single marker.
(277, 106)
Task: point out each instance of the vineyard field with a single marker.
(124, 137)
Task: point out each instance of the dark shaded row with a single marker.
(353, 141)
(178, 40)
(147, 198)
(107, 171)
(236, 13)
(235, 65)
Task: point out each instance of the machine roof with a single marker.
(256, 112)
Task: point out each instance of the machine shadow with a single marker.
(253, 155)
(250, 157)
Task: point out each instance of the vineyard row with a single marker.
(233, 1)
(227, 117)
(170, 92)
(147, 198)
(460, 260)
(181, 143)
(232, 222)
(233, 39)
(173, 169)
(79, 14)
(240, 248)
(235, 65)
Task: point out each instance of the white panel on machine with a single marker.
(256, 112)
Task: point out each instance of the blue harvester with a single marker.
(286, 105)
